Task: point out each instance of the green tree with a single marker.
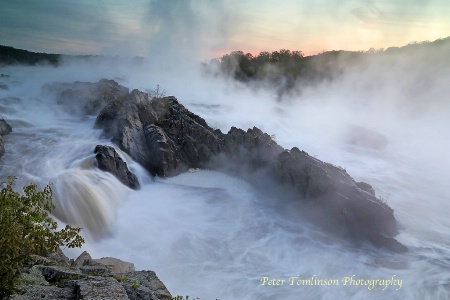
(25, 229)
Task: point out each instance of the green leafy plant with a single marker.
(120, 279)
(135, 284)
(25, 229)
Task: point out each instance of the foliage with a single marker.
(288, 71)
(25, 229)
(281, 67)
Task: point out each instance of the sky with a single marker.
(205, 29)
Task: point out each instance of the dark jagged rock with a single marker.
(5, 128)
(167, 139)
(339, 196)
(121, 119)
(86, 98)
(109, 160)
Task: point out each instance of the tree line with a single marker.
(283, 68)
(13, 56)
(286, 69)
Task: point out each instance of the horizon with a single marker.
(255, 54)
(204, 30)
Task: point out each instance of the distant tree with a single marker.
(263, 57)
(275, 56)
(297, 55)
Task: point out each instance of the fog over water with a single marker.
(210, 235)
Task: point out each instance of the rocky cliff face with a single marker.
(57, 277)
(167, 139)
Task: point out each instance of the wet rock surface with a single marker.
(167, 139)
(86, 98)
(109, 160)
(5, 128)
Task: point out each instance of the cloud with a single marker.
(29, 22)
(201, 29)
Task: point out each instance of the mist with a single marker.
(210, 235)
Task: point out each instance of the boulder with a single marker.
(5, 128)
(167, 139)
(340, 197)
(84, 259)
(121, 120)
(86, 98)
(109, 160)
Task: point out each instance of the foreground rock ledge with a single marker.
(167, 139)
(56, 277)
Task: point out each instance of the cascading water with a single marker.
(212, 236)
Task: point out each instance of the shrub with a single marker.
(25, 229)
(157, 92)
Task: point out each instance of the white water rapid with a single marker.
(212, 236)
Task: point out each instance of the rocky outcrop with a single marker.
(5, 128)
(87, 278)
(349, 203)
(86, 98)
(109, 160)
(167, 139)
